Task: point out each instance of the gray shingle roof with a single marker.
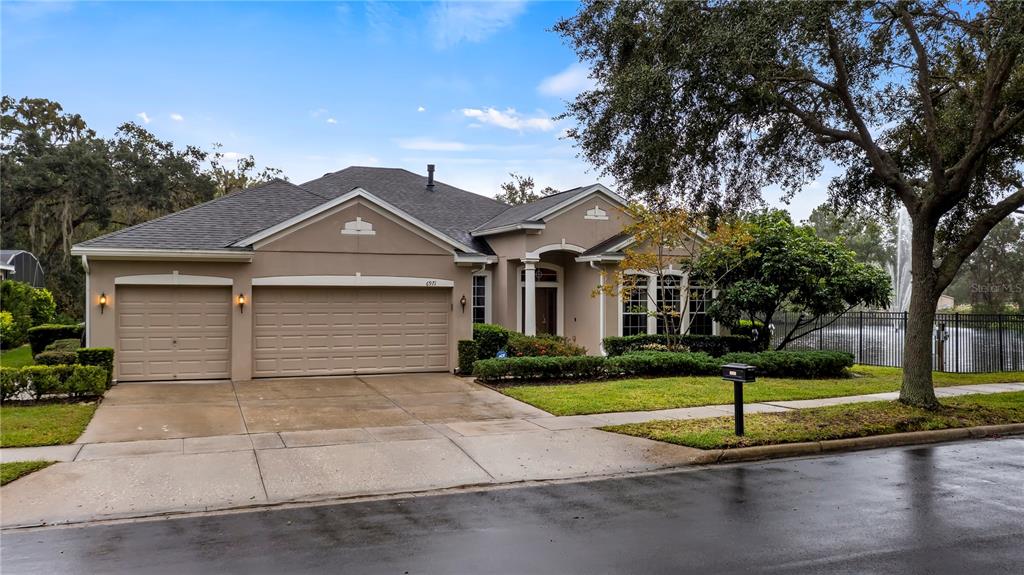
(218, 223)
(527, 212)
(606, 245)
(448, 209)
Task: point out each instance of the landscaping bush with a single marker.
(540, 368)
(64, 345)
(43, 335)
(520, 345)
(794, 363)
(490, 338)
(102, 357)
(12, 383)
(86, 381)
(56, 358)
(74, 381)
(746, 327)
(28, 307)
(469, 351)
(663, 363)
(714, 345)
(8, 331)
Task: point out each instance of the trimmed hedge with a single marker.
(540, 368)
(663, 363)
(520, 345)
(43, 335)
(469, 351)
(490, 338)
(56, 358)
(101, 356)
(714, 345)
(799, 364)
(794, 363)
(64, 345)
(39, 381)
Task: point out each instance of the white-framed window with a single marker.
(634, 308)
(651, 295)
(700, 322)
(481, 297)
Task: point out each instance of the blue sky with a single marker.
(315, 87)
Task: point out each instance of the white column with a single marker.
(529, 298)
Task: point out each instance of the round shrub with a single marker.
(490, 339)
(56, 358)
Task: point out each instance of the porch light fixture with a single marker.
(103, 302)
(462, 302)
(241, 303)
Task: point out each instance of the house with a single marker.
(22, 266)
(364, 270)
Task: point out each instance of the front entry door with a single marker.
(547, 310)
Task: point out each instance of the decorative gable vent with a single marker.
(358, 227)
(596, 214)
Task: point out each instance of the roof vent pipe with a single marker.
(430, 177)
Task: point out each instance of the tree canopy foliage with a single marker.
(520, 190)
(62, 183)
(921, 103)
(784, 266)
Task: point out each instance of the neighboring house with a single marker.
(365, 270)
(21, 266)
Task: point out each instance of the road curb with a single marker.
(760, 452)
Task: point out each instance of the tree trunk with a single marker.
(917, 388)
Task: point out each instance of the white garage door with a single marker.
(338, 330)
(173, 333)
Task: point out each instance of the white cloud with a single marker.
(454, 22)
(568, 82)
(421, 109)
(509, 119)
(177, 117)
(331, 121)
(431, 145)
(317, 113)
(144, 117)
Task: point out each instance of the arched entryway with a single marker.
(546, 282)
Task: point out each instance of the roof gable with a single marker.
(535, 213)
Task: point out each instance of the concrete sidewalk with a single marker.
(138, 478)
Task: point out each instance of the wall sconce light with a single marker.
(241, 303)
(103, 302)
(462, 302)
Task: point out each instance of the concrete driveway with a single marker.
(134, 412)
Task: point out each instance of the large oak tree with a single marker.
(921, 102)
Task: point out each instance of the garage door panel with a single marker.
(316, 331)
(173, 332)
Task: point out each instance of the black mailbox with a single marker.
(739, 372)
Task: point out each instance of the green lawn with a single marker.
(833, 422)
(17, 357)
(47, 424)
(670, 392)
(11, 471)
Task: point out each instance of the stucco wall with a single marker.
(573, 226)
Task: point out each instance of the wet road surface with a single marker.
(951, 508)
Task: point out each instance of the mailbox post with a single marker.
(739, 374)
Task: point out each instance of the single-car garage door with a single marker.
(343, 330)
(173, 333)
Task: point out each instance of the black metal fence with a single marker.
(962, 343)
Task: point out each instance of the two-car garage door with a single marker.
(343, 330)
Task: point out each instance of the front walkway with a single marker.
(182, 474)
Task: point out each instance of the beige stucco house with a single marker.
(365, 270)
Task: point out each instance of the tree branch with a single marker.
(931, 129)
(975, 235)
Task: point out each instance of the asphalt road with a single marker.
(952, 508)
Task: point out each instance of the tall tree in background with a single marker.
(871, 235)
(520, 190)
(994, 275)
(63, 184)
(921, 102)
